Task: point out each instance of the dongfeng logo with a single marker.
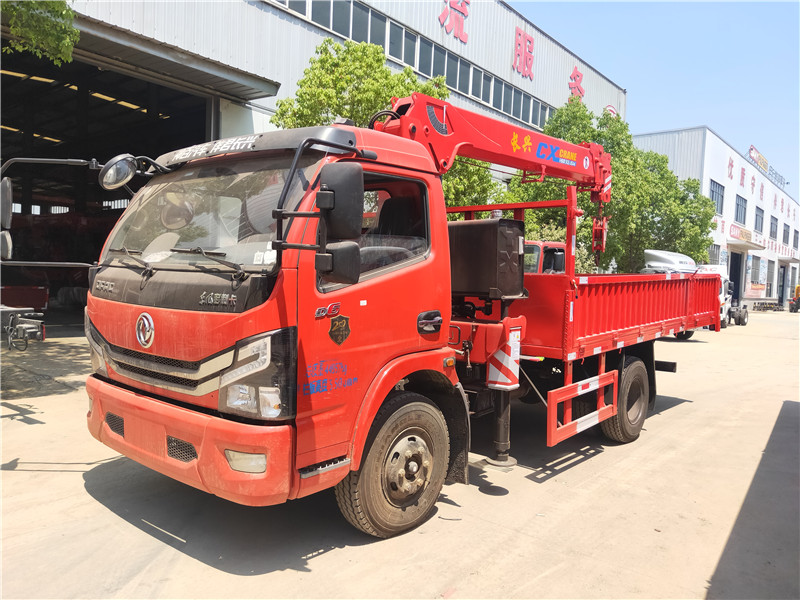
(144, 330)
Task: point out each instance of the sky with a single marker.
(732, 66)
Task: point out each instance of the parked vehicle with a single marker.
(282, 313)
(730, 309)
(794, 301)
(545, 257)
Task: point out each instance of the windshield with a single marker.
(223, 207)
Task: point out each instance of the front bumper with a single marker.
(190, 446)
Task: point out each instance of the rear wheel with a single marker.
(684, 335)
(403, 470)
(632, 401)
(743, 317)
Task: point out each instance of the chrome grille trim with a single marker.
(193, 378)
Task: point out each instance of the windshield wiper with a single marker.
(148, 268)
(215, 255)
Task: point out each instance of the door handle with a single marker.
(429, 322)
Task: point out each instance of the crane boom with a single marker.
(448, 131)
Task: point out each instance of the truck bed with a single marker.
(607, 312)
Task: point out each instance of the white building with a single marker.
(757, 222)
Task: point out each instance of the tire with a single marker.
(684, 335)
(725, 321)
(632, 403)
(403, 469)
(744, 317)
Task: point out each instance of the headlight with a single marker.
(95, 350)
(261, 383)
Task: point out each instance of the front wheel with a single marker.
(632, 402)
(743, 317)
(403, 471)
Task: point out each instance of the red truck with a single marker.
(278, 314)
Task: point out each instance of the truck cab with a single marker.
(544, 257)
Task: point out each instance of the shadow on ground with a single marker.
(57, 365)
(762, 555)
(240, 540)
(529, 442)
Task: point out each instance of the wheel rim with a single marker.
(407, 468)
(634, 402)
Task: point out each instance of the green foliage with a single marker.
(351, 81)
(649, 207)
(469, 182)
(42, 27)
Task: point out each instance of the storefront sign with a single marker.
(452, 18)
(758, 159)
(523, 54)
(740, 233)
(575, 80)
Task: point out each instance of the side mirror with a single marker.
(730, 287)
(6, 199)
(341, 199)
(341, 262)
(117, 172)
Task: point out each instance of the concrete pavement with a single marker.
(704, 504)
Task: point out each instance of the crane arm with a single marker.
(447, 131)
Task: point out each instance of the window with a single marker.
(773, 228)
(395, 224)
(59, 210)
(377, 29)
(298, 6)
(425, 56)
(535, 108)
(794, 242)
(410, 49)
(755, 270)
(439, 59)
(321, 12)
(713, 254)
(463, 76)
(741, 210)
(508, 97)
(717, 195)
(759, 220)
(526, 108)
(786, 234)
(477, 79)
(115, 204)
(517, 107)
(452, 70)
(37, 210)
(543, 115)
(497, 98)
(16, 208)
(360, 23)
(341, 17)
(487, 88)
(395, 41)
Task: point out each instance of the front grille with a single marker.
(116, 424)
(164, 377)
(180, 450)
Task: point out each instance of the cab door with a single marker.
(348, 333)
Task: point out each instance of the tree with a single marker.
(649, 207)
(43, 28)
(353, 81)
